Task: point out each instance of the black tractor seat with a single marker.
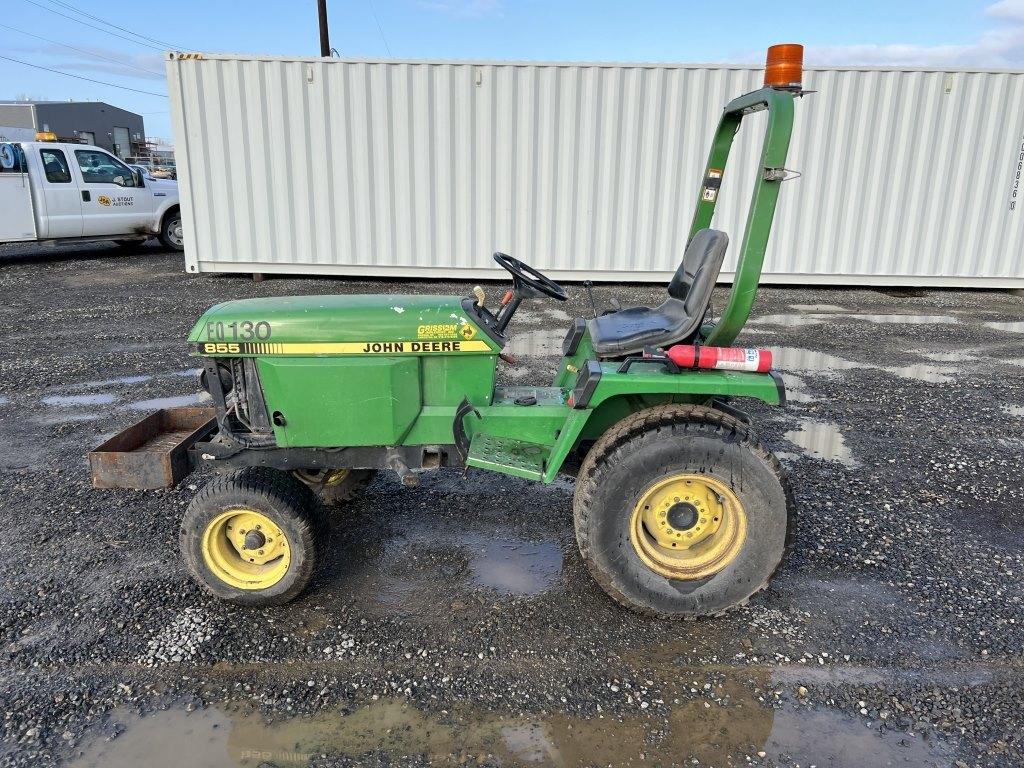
(676, 320)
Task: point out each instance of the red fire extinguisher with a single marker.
(720, 358)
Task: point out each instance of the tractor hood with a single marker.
(316, 325)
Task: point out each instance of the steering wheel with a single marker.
(524, 274)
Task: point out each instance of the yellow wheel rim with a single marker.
(246, 549)
(688, 527)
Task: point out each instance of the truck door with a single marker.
(112, 204)
(17, 221)
(62, 200)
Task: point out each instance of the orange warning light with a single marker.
(784, 66)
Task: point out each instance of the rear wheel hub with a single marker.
(687, 526)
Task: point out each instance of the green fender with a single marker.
(646, 385)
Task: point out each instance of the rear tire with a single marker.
(337, 487)
(171, 234)
(249, 537)
(631, 476)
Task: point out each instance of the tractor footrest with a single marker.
(508, 455)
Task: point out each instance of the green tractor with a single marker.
(678, 509)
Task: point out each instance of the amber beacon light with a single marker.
(784, 66)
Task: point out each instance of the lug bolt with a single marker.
(259, 527)
(260, 552)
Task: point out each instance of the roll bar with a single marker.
(771, 172)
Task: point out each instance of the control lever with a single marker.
(589, 285)
(481, 297)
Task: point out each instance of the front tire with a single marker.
(249, 538)
(679, 512)
(171, 234)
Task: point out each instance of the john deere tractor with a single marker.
(679, 511)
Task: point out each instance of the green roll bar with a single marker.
(771, 173)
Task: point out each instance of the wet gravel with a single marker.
(455, 622)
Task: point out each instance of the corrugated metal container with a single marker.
(317, 166)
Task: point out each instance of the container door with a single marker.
(111, 203)
(61, 197)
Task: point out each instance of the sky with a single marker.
(123, 45)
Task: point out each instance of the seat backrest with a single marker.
(698, 272)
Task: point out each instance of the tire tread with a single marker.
(676, 418)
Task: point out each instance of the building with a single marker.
(90, 122)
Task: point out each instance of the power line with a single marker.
(80, 77)
(93, 26)
(82, 50)
(110, 23)
(380, 29)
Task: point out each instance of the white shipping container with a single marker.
(418, 168)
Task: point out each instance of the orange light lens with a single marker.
(784, 66)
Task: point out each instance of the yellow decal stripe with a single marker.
(419, 347)
(378, 347)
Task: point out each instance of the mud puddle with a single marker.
(1012, 326)
(817, 318)
(543, 343)
(73, 400)
(389, 729)
(812, 361)
(512, 566)
(196, 398)
(822, 440)
(506, 565)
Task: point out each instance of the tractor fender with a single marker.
(604, 395)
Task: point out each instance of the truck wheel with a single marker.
(171, 233)
(679, 512)
(336, 487)
(248, 537)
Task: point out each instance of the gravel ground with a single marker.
(456, 623)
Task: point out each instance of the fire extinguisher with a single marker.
(720, 358)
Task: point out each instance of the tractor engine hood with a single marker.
(329, 325)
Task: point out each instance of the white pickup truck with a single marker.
(52, 192)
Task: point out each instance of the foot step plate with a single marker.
(508, 455)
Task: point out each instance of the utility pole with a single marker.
(325, 40)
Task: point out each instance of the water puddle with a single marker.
(196, 398)
(819, 308)
(823, 440)
(796, 389)
(67, 401)
(812, 361)
(545, 343)
(1012, 327)
(816, 318)
(558, 314)
(115, 382)
(513, 566)
(1014, 410)
(67, 418)
(390, 729)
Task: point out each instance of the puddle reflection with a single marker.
(697, 731)
(822, 440)
(816, 318)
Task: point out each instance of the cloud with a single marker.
(1000, 46)
(464, 9)
(145, 66)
